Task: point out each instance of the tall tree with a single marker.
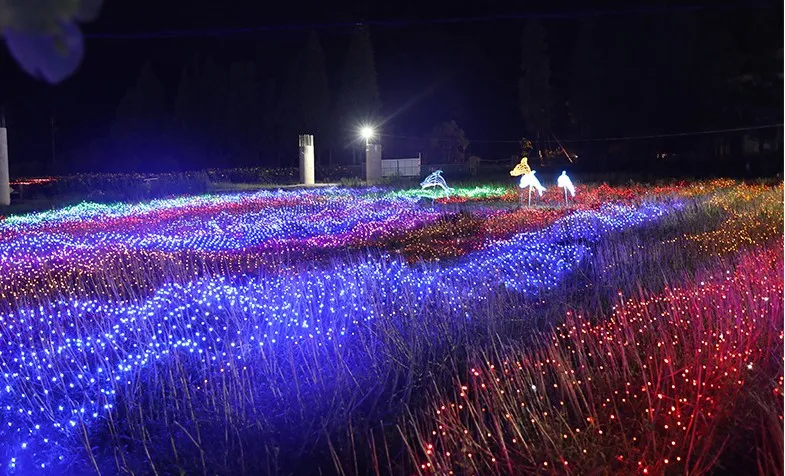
(140, 115)
(241, 118)
(585, 80)
(184, 107)
(219, 114)
(304, 104)
(194, 109)
(314, 90)
(448, 144)
(534, 88)
(359, 96)
(720, 61)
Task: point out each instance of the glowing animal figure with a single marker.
(522, 168)
(564, 182)
(530, 181)
(436, 180)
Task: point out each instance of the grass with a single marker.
(388, 342)
(657, 387)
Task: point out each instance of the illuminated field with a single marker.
(257, 332)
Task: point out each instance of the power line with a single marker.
(620, 138)
(408, 22)
(678, 134)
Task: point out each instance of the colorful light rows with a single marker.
(654, 389)
(71, 251)
(63, 363)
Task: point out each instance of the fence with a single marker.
(401, 167)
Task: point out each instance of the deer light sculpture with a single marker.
(522, 168)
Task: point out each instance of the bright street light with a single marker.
(367, 133)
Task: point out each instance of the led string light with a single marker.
(92, 249)
(586, 195)
(753, 217)
(63, 364)
(646, 391)
(36, 259)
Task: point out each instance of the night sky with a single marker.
(429, 69)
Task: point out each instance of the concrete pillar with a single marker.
(5, 187)
(306, 160)
(373, 163)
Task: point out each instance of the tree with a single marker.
(585, 81)
(448, 143)
(534, 87)
(140, 115)
(219, 116)
(359, 97)
(315, 90)
(304, 104)
(241, 118)
(194, 109)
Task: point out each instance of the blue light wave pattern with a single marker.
(62, 365)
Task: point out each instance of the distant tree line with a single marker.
(652, 74)
(230, 115)
(656, 74)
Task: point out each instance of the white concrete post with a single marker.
(306, 160)
(373, 163)
(5, 187)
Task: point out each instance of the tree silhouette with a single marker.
(137, 130)
(194, 111)
(304, 105)
(239, 131)
(218, 118)
(359, 96)
(534, 86)
(315, 90)
(448, 143)
(585, 81)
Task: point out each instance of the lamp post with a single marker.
(367, 133)
(373, 156)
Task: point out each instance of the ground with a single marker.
(635, 329)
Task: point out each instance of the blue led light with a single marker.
(63, 363)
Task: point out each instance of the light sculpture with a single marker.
(564, 182)
(522, 168)
(436, 180)
(530, 181)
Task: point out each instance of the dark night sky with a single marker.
(467, 71)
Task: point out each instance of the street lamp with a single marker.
(367, 133)
(373, 155)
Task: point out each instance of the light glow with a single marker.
(530, 181)
(367, 132)
(564, 182)
(522, 168)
